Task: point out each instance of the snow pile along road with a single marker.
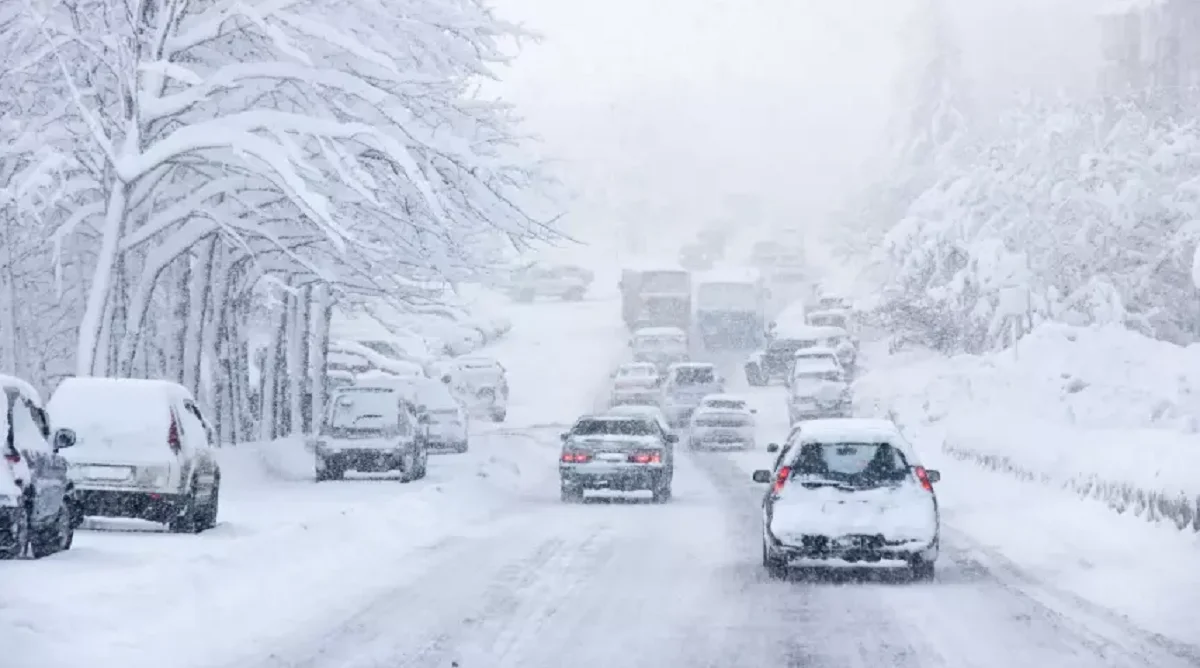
(1070, 463)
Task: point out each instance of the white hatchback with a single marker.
(850, 491)
(722, 420)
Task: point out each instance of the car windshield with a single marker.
(858, 464)
(616, 427)
(695, 375)
(829, 320)
(365, 410)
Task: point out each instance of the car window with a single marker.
(365, 410)
(695, 375)
(40, 419)
(194, 413)
(630, 427)
(860, 464)
(728, 404)
(829, 376)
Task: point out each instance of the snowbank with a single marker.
(1102, 411)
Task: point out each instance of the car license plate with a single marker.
(610, 457)
(107, 472)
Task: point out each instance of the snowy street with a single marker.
(482, 565)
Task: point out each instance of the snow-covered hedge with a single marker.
(1102, 411)
(1072, 213)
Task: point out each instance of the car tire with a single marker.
(776, 570)
(498, 416)
(462, 447)
(186, 520)
(45, 541)
(329, 472)
(423, 468)
(571, 494)
(923, 570)
(409, 471)
(21, 539)
(661, 493)
(213, 507)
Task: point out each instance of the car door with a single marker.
(31, 434)
(199, 436)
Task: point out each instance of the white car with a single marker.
(685, 386)
(850, 491)
(447, 420)
(481, 383)
(370, 429)
(722, 420)
(143, 450)
(817, 388)
(635, 383)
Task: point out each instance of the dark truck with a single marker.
(656, 298)
(731, 309)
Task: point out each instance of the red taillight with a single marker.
(924, 478)
(13, 458)
(646, 458)
(173, 436)
(576, 457)
(780, 480)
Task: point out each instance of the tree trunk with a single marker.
(297, 331)
(180, 317)
(92, 323)
(319, 355)
(273, 369)
(198, 314)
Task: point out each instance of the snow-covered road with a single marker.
(483, 566)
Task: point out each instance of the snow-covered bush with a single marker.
(1075, 213)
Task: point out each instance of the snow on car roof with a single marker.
(659, 331)
(21, 386)
(815, 351)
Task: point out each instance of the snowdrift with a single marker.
(1103, 412)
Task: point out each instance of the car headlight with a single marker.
(153, 476)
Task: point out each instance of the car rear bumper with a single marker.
(142, 505)
(855, 549)
(363, 461)
(625, 480)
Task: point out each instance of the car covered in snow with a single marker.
(775, 360)
(442, 418)
(660, 346)
(370, 429)
(817, 388)
(850, 491)
(38, 508)
(143, 450)
(481, 383)
(615, 452)
(566, 282)
(817, 354)
(722, 420)
(685, 386)
(636, 384)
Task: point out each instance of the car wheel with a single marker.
(19, 535)
(776, 569)
(213, 507)
(45, 541)
(461, 447)
(571, 494)
(186, 520)
(424, 467)
(409, 463)
(922, 570)
(661, 492)
(498, 416)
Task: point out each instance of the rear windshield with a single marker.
(373, 410)
(832, 376)
(630, 427)
(827, 320)
(729, 404)
(861, 464)
(695, 375)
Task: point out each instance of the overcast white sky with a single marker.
(669, 114)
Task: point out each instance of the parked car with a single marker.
(38, 508)
(685, 386)
(615, 452)
(567, 282)
(818, 389)
(481, 383)
(144, 450)
(447, 419)
(722, 420)
(852, 490)
(370, 429)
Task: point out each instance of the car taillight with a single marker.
(13, 457)
(576, 457)
(646, 458)
(924, 478)
(173, 435)
(781, 479)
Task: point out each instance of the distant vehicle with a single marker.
(481, 383)
(830, 318)
(615, 452)
(656, 298)
(566, 282)
(144, 450)
(731, 308)
(696, 257)
(370, 430)
(442, 418)
(774, 362)
(635, 384)
(818, 389)
(38, 507)
(660, 346)
(722, 420)
(684, 386)
(817, 353)
(851, 490)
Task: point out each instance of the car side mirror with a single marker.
(754, 411)
(773, 447)
(563, 437)
(64, 438)
(423, 419)
(934, 476)
(762, 476)
(672, 438)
